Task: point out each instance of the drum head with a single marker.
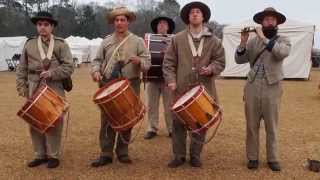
(184, 98)
(112, 88)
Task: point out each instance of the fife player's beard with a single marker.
(270, 31)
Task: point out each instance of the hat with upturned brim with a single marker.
(184, 14)
(155, 22)
(42, 15)
(270, 11)
(118, 11)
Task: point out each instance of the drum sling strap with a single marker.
(107, 70)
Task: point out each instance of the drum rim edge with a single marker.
(111, 95)
(30, 101)
(189, 101)
(132, 122)
(210, 123)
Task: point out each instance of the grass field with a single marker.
(223, 158)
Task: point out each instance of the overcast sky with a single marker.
(233, 11)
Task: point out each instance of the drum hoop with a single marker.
(29, 100)
(26, 107)
(213, 120)
(34, 119)
(109, 96)
(23, 111)
(114, 95)
(47, 125)
(136, 119)
(188, 102)
(148, 39)
(161, 35)
(156, 52)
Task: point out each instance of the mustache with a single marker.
(270, 27)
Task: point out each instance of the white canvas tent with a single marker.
(80, 48)
(317, 39)
(94, 46)
(8, 47)
(297, 65)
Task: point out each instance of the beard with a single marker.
(270, 31)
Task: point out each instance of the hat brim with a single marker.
(155, 22)
(34, 20)
(184, 14)
(258, 18)
(131, 16)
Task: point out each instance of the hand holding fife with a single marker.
(96, 76)
(260, 32)
(172, 86)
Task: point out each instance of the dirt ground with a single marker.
(223, 158)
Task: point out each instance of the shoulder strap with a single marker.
(263, 50)
(58, 57)
(113, 54)
(258, 56)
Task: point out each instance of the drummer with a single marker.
(155, 86)
(195, 55)
(44, 57)
(116, 50)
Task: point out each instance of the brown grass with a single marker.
(223, 158)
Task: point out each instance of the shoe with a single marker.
(274, 166)
(150, 135)
(101, 161)
(53, 163)
(124, 159)
(195, 162)
(37, 162)
(176, 162)
(253, 164)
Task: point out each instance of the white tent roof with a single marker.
(297, 65)
(8, 47)
(94, 46)
(96, 41)
(80, 47)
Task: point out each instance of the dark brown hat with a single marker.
(154, 24)
(42, 15)
(270, 11)
(184, 14)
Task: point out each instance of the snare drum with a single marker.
(197, 110)
(44, 109)
(120, 104)
(157, 44)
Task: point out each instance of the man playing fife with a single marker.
(262, 93)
